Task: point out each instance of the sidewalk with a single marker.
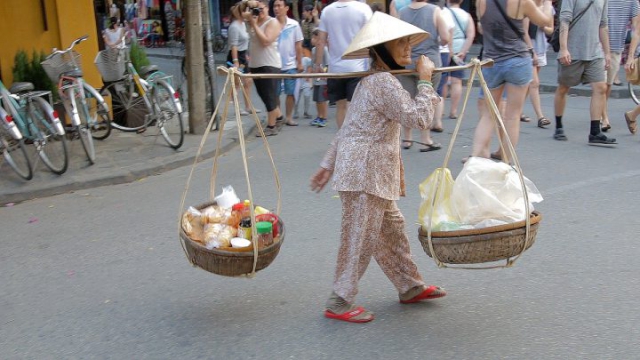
(127, 157)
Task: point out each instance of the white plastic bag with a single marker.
(227, 198)
(444, 218)
(487, 190)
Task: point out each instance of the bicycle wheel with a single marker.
(130, 111)
(83, 130)
(168, 116)
(15, 154)
(51, 147)
(634, 91)
(99, 120)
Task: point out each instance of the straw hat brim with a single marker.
(380, 29)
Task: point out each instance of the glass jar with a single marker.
(244, 228)
(265, 234)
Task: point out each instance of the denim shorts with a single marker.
(290, 84)
(515, 71)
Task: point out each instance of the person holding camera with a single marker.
(265, 58)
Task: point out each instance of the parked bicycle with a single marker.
(12, 147)
(88, 112)
(139, 103)
(209, 103)
(37, 122)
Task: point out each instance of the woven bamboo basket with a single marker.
(483, 245)
(231, 262)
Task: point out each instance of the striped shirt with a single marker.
(620, 14)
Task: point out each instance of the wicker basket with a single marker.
(481, 245)
(111, 64)
(59, 64)
(232, 262)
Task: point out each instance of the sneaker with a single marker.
(559, 135)
(269, 132)
(307, 116)
(601, 139)
(280, 122)
(322, 123)
(315, 122)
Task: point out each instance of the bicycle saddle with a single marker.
(148, 69)
(73, 73)
(20, 87)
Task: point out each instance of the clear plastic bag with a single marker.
(444, 217)
(488, 190)
(227, 198)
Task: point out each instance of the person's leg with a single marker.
(456, 94)
(322, 107)
(393, 253)
(534, 93)
(307, 94)
(486, 127)
(631, 119)
(341, 111)
(362, 219)
(290, 102)
(516, 96)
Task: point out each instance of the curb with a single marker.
(122, 177)
(582, 90)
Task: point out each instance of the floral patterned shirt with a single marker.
(365, 153)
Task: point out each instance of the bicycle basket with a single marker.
(59, 64)
(111, 65)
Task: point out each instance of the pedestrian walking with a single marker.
(264, 58)
(619, 13)
(320, 89)
(584, 57)
(427, 17)
(364, 158)
(463, 34)
(290, 49)
(503, 41)
(339, 23)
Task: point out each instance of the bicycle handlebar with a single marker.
(73, 43)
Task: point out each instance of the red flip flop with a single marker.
(432, 292)
(350, 316)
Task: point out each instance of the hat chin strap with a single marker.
(385, 58)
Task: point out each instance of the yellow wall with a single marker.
(22, 28)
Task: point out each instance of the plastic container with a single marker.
(238, 242)
(265, 234)
(273, 219)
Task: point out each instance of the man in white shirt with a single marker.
(339, 24)
(290, 48)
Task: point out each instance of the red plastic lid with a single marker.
(237, 207)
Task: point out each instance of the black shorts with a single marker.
(268, 89)
(341, 89)
(242, 58)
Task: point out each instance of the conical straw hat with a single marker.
(380, 29)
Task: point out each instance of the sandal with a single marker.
(356, 315)
(437, 129)
(631, 123)
(405, 142)
(430, 147)
(431, 292)
(525, 118)
(543, 122)
(605, 128)
(496, 156)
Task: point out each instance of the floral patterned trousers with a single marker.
(373, 226)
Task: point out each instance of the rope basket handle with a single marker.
(501, 129)
(230, 87)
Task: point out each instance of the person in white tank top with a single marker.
(114, 35)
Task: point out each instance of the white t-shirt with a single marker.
(289, 36)
(341, 21)
(448, 19)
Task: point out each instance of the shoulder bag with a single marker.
(555, 37)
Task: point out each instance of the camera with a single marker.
(256, 11)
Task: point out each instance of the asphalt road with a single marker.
(100, 273)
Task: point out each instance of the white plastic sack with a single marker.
(488, 190)
(227, 198)
(444, 217)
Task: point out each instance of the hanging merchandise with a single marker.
(225, 236)
(486, 214)
(171, 19)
